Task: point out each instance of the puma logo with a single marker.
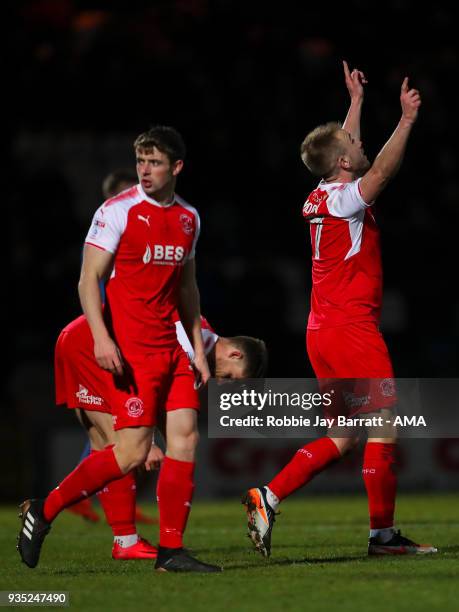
(144, 219)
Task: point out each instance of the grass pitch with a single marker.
(318, 561)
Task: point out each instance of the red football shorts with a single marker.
(153, 381)
(354, 360)
(79, 381)
(160, 379)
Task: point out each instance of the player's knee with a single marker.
(188, 441)
(130, 457)
(345, 445)
(392, 439)
(193, 440)
(352, 443)
(183, 446)
(98, 438)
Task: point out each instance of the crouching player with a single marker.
(83, 386)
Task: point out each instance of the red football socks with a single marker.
(89, 476)
(380, 480)
(306, 463)
(118, 499)
(175, 492)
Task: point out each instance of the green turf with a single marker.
(318, 561)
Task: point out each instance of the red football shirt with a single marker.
(346, 256)
(151, 243)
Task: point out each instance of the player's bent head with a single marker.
(254, 356)
(321, 149)
(163, 138)
(117, 181)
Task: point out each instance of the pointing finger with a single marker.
(405, 85)
(118, 368)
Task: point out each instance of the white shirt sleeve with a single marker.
(108, 225)
(209, 339)
(196, 236)
(184, 340)
(346, 201)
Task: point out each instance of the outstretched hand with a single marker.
(410, 99)
(355, 81)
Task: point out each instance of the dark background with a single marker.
(244, 82)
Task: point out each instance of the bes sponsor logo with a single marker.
(84, 397)
(134, 407)
(164, 254)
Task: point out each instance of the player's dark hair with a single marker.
(321, 148)
(113, 181)
(255, 355)
(164, 138)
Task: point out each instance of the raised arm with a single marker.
(96, 265)
(190, 316)
(355, 81)
(391, 155)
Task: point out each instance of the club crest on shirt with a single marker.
(134, 407)
(388, 387)
(187, 224)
